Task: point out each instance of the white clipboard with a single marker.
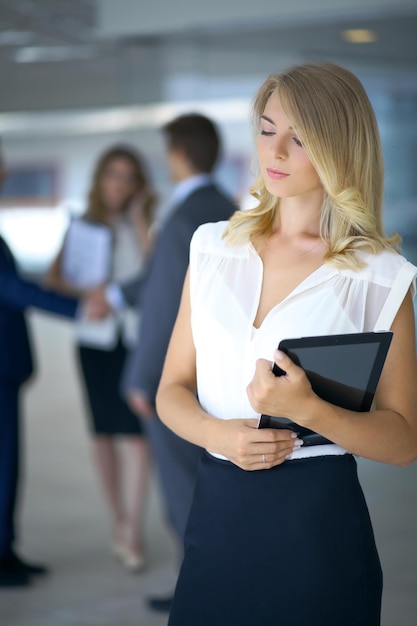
(86, 255)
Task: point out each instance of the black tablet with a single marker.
(342, 369)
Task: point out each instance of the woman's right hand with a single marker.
(251, 448)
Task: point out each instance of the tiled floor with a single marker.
(64, 522)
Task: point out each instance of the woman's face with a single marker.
(286, 169)
(117, 184)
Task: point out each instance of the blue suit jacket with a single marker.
(16, 294)
(160, 293)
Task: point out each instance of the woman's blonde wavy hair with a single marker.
(335, 121)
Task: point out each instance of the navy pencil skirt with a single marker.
(289, 546)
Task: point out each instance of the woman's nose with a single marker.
(279, 148)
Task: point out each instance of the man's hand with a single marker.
(140, 404)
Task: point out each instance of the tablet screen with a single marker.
(343, 369)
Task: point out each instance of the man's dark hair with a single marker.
(197, 137)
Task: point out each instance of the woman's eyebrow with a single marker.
(268, 119)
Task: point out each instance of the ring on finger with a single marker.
(263, 459)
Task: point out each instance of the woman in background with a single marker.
(278, 533)
(122, 200)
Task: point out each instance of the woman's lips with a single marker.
(276, 174)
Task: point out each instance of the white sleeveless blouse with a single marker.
(225, 286)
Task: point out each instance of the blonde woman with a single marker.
(121, 199)
(280, 534)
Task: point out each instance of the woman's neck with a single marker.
(298, 217)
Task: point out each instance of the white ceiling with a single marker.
(66, 54)
(133, 17)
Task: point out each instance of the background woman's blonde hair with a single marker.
(96, 210)
(333, 118)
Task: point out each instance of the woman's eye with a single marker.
(268, 133)
(298, 142)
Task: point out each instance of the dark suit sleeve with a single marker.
(161, 299)
(162, 290)
(19, 294)
(132, 290)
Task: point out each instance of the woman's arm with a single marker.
(239, 440)
(387, 434)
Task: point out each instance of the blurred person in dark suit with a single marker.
(193, 146)
(16, 367)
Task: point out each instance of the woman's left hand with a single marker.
(285, 396)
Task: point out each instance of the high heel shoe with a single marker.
(133, 561)
(131, 558)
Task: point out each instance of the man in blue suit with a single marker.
(16, 366)
(193, 146)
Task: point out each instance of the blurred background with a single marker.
(80, 75)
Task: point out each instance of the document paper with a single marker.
(86, 264)
(86, 254)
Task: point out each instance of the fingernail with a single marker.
(298, 443)
(294, 435)
(289, 456)
(279, 355)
